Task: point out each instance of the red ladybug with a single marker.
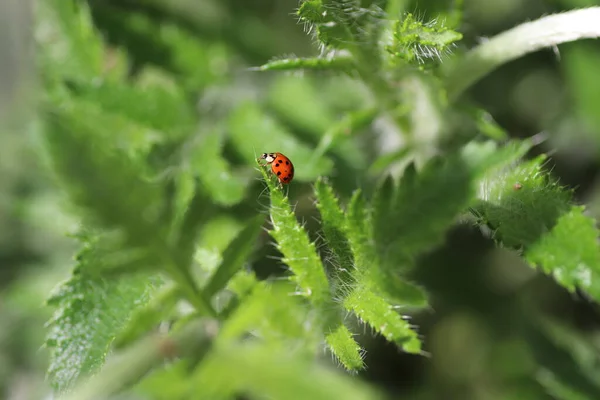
(280, 166)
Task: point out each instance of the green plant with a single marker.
(167, 200)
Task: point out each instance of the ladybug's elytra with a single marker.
(280, 166)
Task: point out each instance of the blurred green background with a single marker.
(473, 328)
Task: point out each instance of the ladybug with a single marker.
(280, 166)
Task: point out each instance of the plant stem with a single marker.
(523, 39)
(131, 364)
(190, 290)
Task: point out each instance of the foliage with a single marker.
(170, 206)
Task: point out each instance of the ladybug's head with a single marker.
(268, 157)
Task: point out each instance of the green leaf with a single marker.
(143, 319)
(131, 365)
(235, 256)
(215, 236)
(300, 102)
(254, 132)
(345, 24)
(299, 252)
(353, 284)
(347, 351)
(359, 230)
(67, 41)
(181, 190)
(413, 219)
(90, 313)
(487, 158)
(171, 382)
(223, 185)
(527, 209)
(180, 258)
(271, 313)
(333, 224)
(381, 316)
(134, 139)
(261, 371)
(420, 42)
(301, 256)
(521, 203)
(386, 160)
(242, 283)
(157, 106)
(336, 63)
(94, 173)
(193, 61)
(337, 138)
(570, 252)
(196, 214)
(196, 62)
(488, 126)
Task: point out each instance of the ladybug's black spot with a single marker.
(285, 178)
(277, 165)
(287, 163)
(278, 173)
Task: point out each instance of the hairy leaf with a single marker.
(486, 158)
(333, 223)
(90, 313)
(411, 218)
(380, 315)
(529, 210)
(300, 255)
(347, 351)
(420, 42)
(299, 252)
(337, 63)
(359, 230)
(345, 24)
(521, 203)
(570, 252)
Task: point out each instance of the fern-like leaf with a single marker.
(90, 313)
(570, 252)
(337, 63)
(309, 274)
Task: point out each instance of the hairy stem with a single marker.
(526, 38)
